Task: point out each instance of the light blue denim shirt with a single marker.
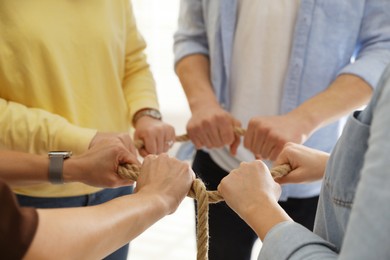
(328, 35)
(352, 220)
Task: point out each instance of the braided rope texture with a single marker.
(199, 193)
(203, 197)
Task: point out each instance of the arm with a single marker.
(94, 232)
(373, 42)
(38, 131)
(253, 195)
(210, 125)
(266, 136)
(251, 192)
(355, 79)
(368, 221)
(97, 166)
(140, 93)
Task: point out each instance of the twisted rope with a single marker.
(184, 138)
(199, 193)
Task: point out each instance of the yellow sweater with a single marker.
(67, 70)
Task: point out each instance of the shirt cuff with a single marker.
(74, 138)
(290, 240)
(369, 67)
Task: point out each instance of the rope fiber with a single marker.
(199, 193)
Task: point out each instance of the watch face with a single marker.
(64, 154)
(155, 114)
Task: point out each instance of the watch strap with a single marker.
(150, 112)
(55, 169)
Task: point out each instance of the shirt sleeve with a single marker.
(191, 36)
(17, 225)
(139, 85)
(368, 227)
(374, 43)
(23, 128)
(289, 240)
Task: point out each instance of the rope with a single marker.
(199, 193)
(184, 138)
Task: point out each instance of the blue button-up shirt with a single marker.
(328, 35)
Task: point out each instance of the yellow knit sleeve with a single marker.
(38, 131)
(139, 85)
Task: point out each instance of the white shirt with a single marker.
(261, 51)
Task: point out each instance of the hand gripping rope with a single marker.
(198, 191)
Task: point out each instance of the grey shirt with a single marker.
(353, 214)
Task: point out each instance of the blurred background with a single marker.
(173, 237)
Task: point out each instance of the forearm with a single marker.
(346, 93)
(36, 130)
(95, 231)
(19, 169)
(194, 74)
(22, 169)
(263, 218)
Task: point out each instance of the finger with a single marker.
(195, 137)
(127, 157)
(148, 159)
(235, 144)
(142, 151)
(210, 141)
(267, 148)
(227, 135)
(206, 137)
(259, 141)
(258, 157)
(191, 171)
(283, 156)
(273, 154)
(150, 145)
(160, 143)
(215, 137)
(291, 177)
(169, 140)
(254, 146)
(197, 143)
(248, 138)
(203, 140)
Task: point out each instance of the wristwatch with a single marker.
(56, 162)
(150, 112)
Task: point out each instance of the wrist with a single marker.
(147, 112)
(308, 121)
(75, 169)
(265, 216)
(204, 104)
(160, 203)
(260, 203)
